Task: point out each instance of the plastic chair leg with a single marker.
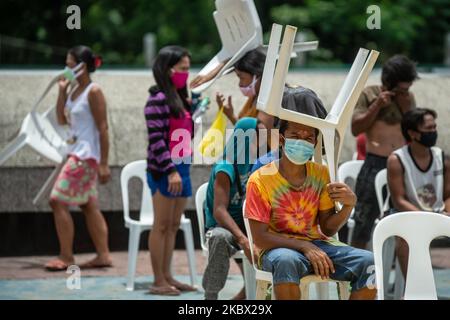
(133, 249)
(14, 146)
(261, 289)
(249, 280)
(323, 290)
(186, 226)
(343, 292)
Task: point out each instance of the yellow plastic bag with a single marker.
(213, 141)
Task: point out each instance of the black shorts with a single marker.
(366, 209)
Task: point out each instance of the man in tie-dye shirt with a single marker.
(290, 205)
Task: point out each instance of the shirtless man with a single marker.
(378, 114)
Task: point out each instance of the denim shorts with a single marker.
(162, 184)
(351, 264)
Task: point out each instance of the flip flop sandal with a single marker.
(92, 265)
(164, 291)
(185, 287)
(56, 265)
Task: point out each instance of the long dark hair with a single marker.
(165, 60)
(85, 54)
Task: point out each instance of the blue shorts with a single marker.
(163, 183)
(351, 264)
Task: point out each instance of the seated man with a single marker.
(225, 230)
(292, 216)
(418, 173)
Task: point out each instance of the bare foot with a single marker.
(240, 295)
(97, 262)
(181, 286)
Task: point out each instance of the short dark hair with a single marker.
(412, 119)
(252, 62)
(398, 68)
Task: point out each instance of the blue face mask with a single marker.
(298, 151)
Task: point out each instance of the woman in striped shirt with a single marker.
(170, 128)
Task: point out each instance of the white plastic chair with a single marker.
(334, 126)
(350, 170)
(264, 279)
(250, 285)
(137, 169)
(240, 31)
(389, 256)
(418, 229)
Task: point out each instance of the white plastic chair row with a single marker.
(334, 126)
(240, 31)
(264, 279)
(418, 229)
(137, 169)
(250, 284)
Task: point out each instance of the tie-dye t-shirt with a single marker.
(292, 212)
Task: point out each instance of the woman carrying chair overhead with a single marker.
(84, 110)
(170, 128)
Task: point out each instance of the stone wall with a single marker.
(126, 93)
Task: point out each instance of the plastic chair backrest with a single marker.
(136, 169)
(350, 170)
(237, 22)
(418, 229)
(200, 198)
(274, 79)
(380, 183)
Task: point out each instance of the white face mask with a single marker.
(72, 74)
(250, 90)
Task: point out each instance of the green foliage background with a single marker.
(34, 32)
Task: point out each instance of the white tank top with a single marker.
(83, 128)
(424, 189)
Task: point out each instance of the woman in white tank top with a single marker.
(84, 110)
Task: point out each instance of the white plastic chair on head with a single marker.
(334, 126)
(418, 229)
(137, 169)
(240, 31)
(264, 279)
(350, 170)
(389, 256)
(200, 198)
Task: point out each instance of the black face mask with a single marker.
(428, 139)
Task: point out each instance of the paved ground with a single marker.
(24, 278)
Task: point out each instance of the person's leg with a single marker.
(241, 294)
(366, 209)
(163, 208)
(180, 205)
(353, 265)
(402, 251)
(287, 267)
(221, 246)
(98, 230)
(65, 231)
